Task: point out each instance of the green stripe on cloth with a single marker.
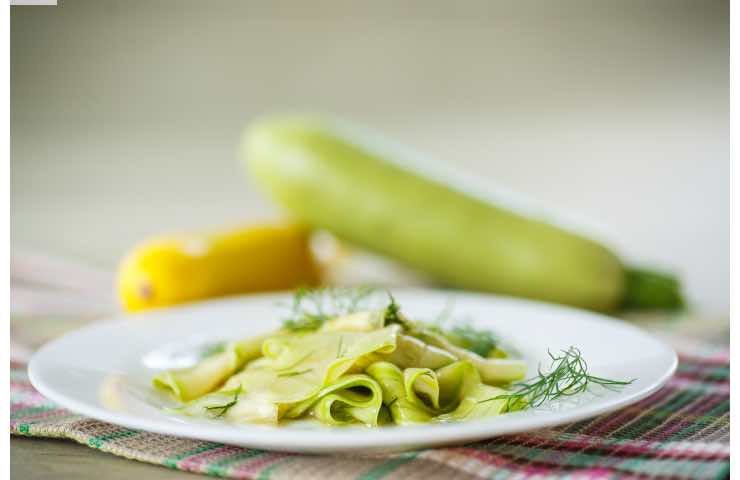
(221, 467)
(267, 472)
(680, 431)
(173, 460)
(376, 473)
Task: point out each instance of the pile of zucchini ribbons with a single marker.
(371, 367)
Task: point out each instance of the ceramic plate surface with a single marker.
(104, 371)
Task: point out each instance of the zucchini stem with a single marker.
(652, 290)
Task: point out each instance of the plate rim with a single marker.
(335, 439)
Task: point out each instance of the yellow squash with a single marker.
(181, 268)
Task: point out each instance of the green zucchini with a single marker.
(356, 186)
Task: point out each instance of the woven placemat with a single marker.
(682, 431)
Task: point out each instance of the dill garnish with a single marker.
(311, 308)
(393, 314)
(568, 376)
(392, 311)
(470, 338)
(296, 373)
(461, 333)
(222, 409)
(392, 402)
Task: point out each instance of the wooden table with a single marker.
(43, 459)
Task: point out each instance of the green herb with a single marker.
(311, 308)
(470, 338)
(568, 376)
(222, 409)
(461, 333)
(294, 374)
(393, 314)
(392, 311)
(392, 402)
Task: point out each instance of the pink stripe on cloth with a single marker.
(720, 358)
(680, 380)
(257, 465)
(190, 463)
(19, 386)
(21, 405)
(49, 413)
(594, 473)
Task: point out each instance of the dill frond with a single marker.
(568, 375)
(311, 308)
(220, 410)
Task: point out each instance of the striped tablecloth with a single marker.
(682, 431)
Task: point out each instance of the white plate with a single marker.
(104, 371)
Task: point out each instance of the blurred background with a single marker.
(125, 116)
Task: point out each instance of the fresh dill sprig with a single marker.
(464, 335)
(392, 311)
(222, 409)
(393, 314)
(311, 308)
(461, 333)
(568, 375)
(350, 299)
